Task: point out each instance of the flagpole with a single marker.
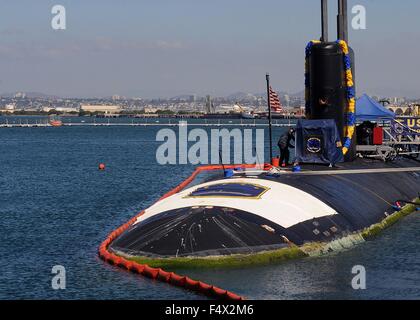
(267, 76)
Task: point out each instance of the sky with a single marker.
(164, 48)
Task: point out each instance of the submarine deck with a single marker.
(260, 211)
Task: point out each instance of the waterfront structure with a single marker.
(107, 109)
(8, 108)
(60, 109)
(407, 110)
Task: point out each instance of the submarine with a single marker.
(333, 195)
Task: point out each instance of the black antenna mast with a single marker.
(324, 18)
(342, 21)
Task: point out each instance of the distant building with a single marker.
(20, 95)
(60, 109)
(192, 98)
(8, 108)
(226, 108)
(287, 100)
(397, 100)
(408, 110)
(66, 109)
(116, 97)
(209, 105)
(150, 110)
(107, 109)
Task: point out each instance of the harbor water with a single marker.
(57, 207)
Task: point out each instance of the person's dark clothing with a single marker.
(284, 156)
(365, 133)
(284, 145)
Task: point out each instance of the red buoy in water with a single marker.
(101, 166)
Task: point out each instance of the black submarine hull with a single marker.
(257, 212)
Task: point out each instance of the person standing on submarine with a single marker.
(284, 145)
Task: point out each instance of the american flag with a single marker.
(275, 101)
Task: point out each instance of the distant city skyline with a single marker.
(161, 49)
(232, 96)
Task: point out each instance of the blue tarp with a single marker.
(367, 109)
(317, 141)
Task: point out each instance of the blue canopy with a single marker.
(367, 109)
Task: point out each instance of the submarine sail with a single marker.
(330, 79)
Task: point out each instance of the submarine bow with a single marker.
(223, 217)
